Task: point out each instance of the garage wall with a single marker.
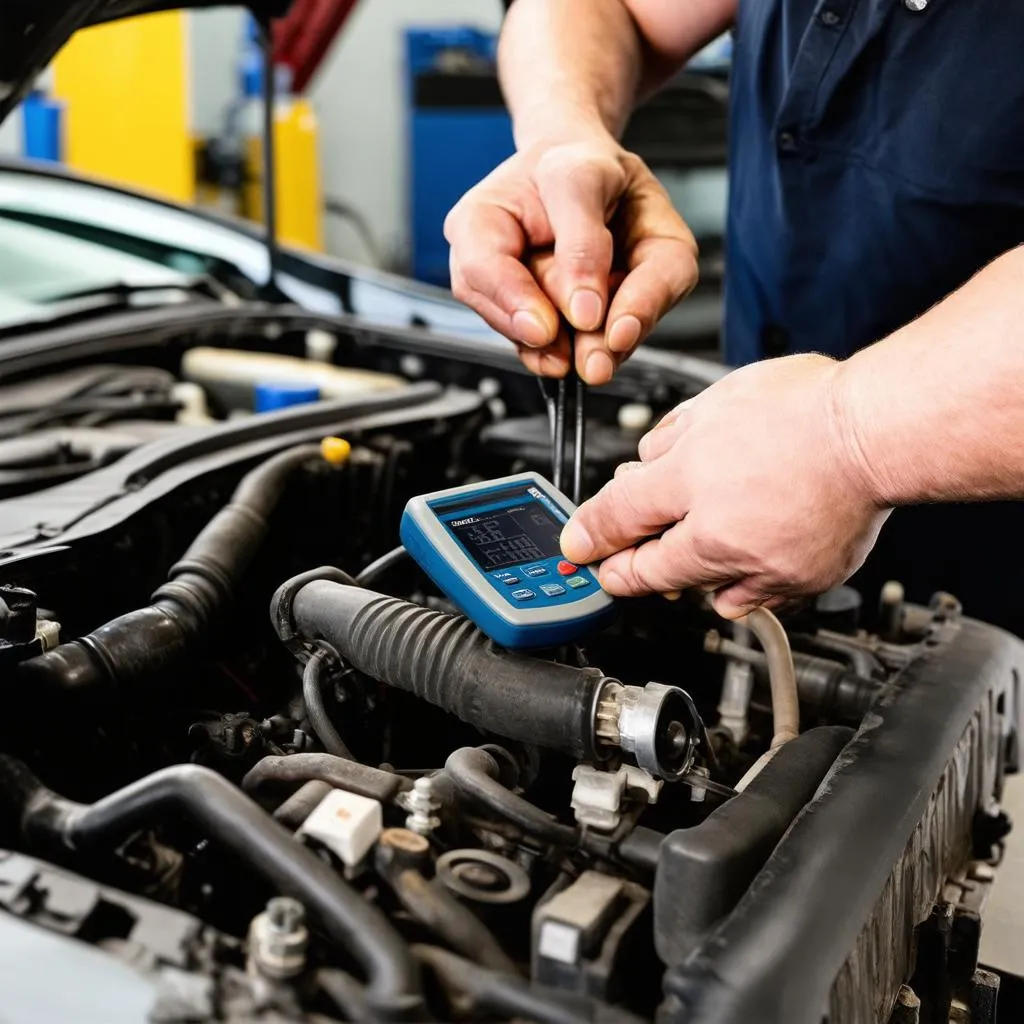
(10, 135)
(359, 99)
(358, 95)
(10, 130)
(214, 43)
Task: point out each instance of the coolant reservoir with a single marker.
(233, 375)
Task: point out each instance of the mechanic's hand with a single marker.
(758, 484)
(582, 228)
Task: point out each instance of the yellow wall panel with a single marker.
(126, 89)
(299, 200)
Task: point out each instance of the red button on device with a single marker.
(566, 568)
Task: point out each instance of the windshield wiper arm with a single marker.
(122, 292)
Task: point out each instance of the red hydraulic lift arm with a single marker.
(304, 36)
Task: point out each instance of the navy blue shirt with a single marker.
(877, 162)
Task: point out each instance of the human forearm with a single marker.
(536, 241)
(572, 68)
(568, 67)
(935, 412)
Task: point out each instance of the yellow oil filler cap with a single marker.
(335, 450)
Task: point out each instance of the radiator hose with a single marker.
(445, 660)
(201, 585)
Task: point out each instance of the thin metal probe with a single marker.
(559, 441)
(549, 405)
(579, 440)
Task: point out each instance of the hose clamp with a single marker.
(659, 725)
(284, 599)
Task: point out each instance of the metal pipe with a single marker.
(579, 445)
(828, 686)
(781, 674)
(558, 473)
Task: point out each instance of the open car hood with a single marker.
(32, 31)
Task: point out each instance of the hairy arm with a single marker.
(936, 411)
(575, 67)
(774, 482)
(572, 226)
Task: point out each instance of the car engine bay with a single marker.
(253, 757)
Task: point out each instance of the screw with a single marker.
(423, 807)
(284, 915)
(915, 5)
(278, 939)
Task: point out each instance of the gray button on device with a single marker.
(552, 589)
(523, 595)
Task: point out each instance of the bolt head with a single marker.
(285, 915)
(404, 840)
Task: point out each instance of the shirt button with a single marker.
(787, 142)
(830, 18)
(915, 5)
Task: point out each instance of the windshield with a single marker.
(40, 268)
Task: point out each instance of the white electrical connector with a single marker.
(347, 824)
(320, 346)
(635, 417)
(598, 795)
(191, 398)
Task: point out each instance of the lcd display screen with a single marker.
(509, 536)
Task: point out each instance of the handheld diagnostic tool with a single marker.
(493, 548)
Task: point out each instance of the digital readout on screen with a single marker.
(510, 536)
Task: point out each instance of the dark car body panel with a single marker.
(33, 31)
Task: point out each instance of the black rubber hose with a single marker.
(294, 769)
(641, 848)
(509, 995)
(231, 819)
(713, 863)
(475, 773)
(148, 640)
(226, 545)
(313, 677)
(345, 992)
(382, 566)
(445, 660)
(301, 804)
(437, 908)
